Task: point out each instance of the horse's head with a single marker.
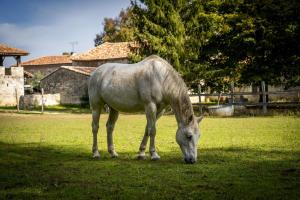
(187, 138)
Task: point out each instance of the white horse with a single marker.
(150, 85)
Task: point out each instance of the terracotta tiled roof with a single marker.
(80, 69)
(48, 60)
(106, 51)
(11, 51)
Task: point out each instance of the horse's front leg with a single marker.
(142, 155)
(151, 112)
(143, 145)
(153, 153)
(110, 125)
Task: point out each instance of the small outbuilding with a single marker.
(70, 82)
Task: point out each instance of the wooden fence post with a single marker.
(264, 97)
(42, 90)
(199, 95)
(232, 91)
(17, 99)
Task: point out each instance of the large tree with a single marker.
(217, 41)
(261, 41)
(160, 30)
(276, 53)
(220, 41)
(118, 29)
(178, 31)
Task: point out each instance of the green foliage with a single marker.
(203, 24)
(119, 29)
(180, 32)
(275, 56)
(260, 43)
(220, 41)
(217, 41)
(160, 30)
(49, 157)
(36, 80)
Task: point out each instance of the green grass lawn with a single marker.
(49, 157)
(67, 108)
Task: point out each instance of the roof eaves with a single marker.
(97, 59)
(27, 65)
(75, 70)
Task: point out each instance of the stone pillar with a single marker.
(17, 72)
(11, 86)
(18, 76)
(2, 72)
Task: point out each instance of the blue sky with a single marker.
(47, 27)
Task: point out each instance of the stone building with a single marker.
(47, 64)
(107, 52)
(11, 79)
(70, 82)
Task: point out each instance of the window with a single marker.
(7, 71)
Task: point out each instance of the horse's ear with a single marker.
(199, 119)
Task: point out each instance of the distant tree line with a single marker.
(218, 41)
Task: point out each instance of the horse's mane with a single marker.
(173, 82)
(176, 89)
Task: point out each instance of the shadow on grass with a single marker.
(53, 172)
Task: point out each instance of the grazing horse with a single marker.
(150, 85)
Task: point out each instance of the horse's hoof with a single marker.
(155, 158)
(96, 156)
(115, 155)
(141, 157)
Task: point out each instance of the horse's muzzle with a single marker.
(189, 160)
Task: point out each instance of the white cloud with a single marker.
(53, 29)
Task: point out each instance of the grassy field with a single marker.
(49, 157)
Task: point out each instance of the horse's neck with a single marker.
(182, 107)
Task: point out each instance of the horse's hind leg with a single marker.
(113, 116)
(95, 127)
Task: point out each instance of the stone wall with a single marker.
(34, 100)
(71, 86)
(44, 69)
(97, 63)
(11, 86)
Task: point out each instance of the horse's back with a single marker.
(126, 87)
